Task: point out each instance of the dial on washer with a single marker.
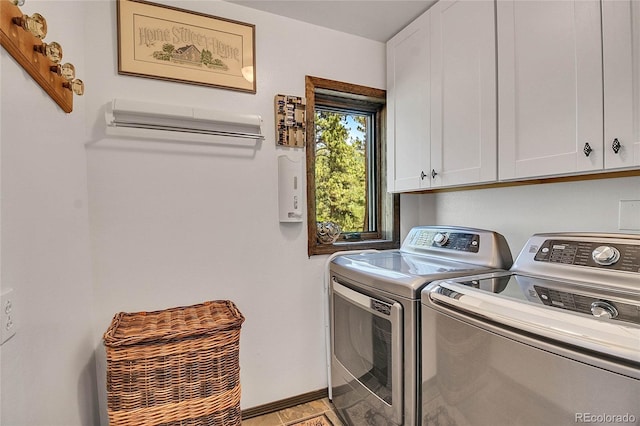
(605, 255)
(604, 309)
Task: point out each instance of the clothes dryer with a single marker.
(375, 314)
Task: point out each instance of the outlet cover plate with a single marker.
(629, 215)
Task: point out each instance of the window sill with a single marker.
(353, 245)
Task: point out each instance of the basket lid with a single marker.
(172, 324)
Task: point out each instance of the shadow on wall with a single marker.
(88, 393)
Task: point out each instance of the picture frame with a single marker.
(168, 43)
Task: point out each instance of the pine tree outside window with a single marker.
(346, 167)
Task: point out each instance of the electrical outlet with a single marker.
(629, 215)
(8, 324)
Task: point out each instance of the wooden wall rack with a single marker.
(19, 43)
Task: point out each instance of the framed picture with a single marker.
(168, 43)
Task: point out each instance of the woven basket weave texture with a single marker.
(177, 366)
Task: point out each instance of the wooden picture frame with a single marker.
(167, 43)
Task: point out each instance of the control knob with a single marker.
(602, 309)
(440, 239)
(605, 255)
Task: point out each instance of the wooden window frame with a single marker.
(384, 238)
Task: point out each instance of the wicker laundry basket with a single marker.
(177, 366)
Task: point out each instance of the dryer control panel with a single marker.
(451, 240)
(621, 257)
(456, 243)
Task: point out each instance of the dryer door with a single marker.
(366, 364)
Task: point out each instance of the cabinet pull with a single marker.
(587, 149)
(616, 145)
(422, 175)
(433, 173)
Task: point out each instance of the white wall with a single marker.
(91, 226)
(173, 224)
(114, 225)
(2, 60)
(47, 370)
(521, 211)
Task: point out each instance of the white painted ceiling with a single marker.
(372, 19)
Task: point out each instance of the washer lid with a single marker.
(586, 316)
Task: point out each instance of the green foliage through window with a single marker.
(340, 168)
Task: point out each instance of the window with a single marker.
(346, 168)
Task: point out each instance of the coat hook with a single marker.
(35, 24)
(76, 85)
(52, 50)
(66, 71)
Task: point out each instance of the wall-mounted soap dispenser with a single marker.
(290, 199)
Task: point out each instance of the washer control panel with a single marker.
(621, 257)
(460, 241)
(588, 304)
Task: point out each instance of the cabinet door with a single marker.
(621, 47)
(549, 88)
(408, 107)
(463, 92)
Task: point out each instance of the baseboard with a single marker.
(284, 403)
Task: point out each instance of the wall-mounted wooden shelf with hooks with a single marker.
(20, 43)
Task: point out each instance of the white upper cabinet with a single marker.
(550, 104)
(621, 47)
(408, 152)
(463, 93)
(564, 98)
(441, 98)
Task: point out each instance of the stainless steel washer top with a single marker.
(428, 253)
(578, 289)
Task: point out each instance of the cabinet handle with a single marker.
(616, 145)
(587, 149)
(433, 174)
(422, 175)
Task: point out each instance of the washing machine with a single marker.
(554, 341)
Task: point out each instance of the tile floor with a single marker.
(295, 414)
